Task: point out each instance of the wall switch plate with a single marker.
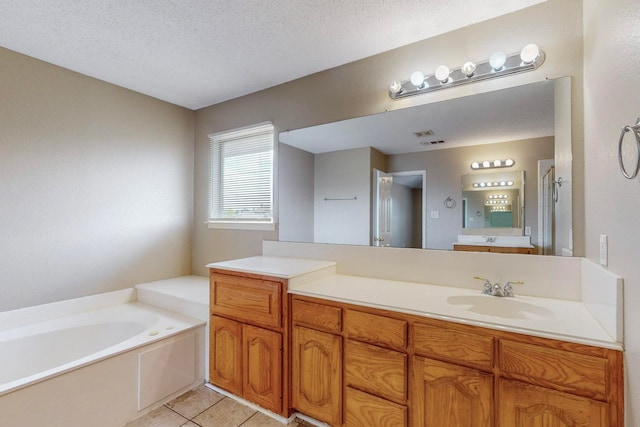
(604, 249)
(435, 214)
(527, 231)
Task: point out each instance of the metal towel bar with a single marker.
(636, 132)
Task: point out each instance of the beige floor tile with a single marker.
(190, 424)
(195, 401)
(262, 420)
(226, 413)
(161, 417)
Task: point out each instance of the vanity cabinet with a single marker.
(248, 336)
(445, 394)
(494, 249)
(406, 370)
(317, 361)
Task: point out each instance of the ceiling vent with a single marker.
(423, 133)
(432, 142)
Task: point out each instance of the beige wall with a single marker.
(96, 185)
(612, 94)
(360, 88)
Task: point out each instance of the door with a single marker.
(317, 374)
(524, 405)
(547, 213)
(262, 373)
(446, 395)
(226, 354)
(399, 209)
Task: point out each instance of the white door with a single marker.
(383, 207)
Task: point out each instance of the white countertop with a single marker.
(544, 317)
(286, 268)
(502, 245)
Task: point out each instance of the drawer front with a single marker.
(250, 300)
(453, 346)
(317, 316)
(366, 410)
(375, 329)
(376, 370)
(559, 369)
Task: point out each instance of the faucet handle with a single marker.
(508, 289)
(487, 288)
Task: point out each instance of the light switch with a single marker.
(604, 249)
(527, 231)
(435, 214)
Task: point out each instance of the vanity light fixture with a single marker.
(499, 64)
(499, 196)
(485, 184)
(493, 164)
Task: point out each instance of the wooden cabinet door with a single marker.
(262, 367)
(225, 355)
(447, 395)
(524, 405)
(317, 374)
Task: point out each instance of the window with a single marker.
(241, 185)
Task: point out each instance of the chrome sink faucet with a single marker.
(496, 290)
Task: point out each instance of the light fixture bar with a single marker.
(520, 62)
(493, 164)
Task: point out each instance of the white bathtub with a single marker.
(101, 365)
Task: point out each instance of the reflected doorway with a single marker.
(399, 209)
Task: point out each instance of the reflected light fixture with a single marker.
(499, 64)
(485, 184)
(493, 164)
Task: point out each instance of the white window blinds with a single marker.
(241, 185)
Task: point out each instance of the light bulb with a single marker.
(417, 79)
(503, 183)
(509, 183)
(529, 53)
(482, 184)
(497, 163)
(475, 165)
(395, 87)
(509, 162)
(476, 185)
(497, 60)
(468, 69)
(486, 164)
(442, 73)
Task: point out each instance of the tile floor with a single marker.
(203, 407)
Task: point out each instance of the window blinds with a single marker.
(241, 185)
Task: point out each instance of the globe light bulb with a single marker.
(468, 69)
(475, 165)
(509, 162)
(497, 163)
(395, 87)
(486, 164)
(442, 73)
(497, 60)
(529, 53)
(417, 79)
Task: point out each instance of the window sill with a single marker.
(237, 225)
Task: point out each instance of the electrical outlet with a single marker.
(604, 249)
(527, 231)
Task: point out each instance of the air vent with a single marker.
(432, 142)
(423, 133)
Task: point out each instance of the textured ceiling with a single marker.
(196, 53)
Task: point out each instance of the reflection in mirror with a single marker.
(494, 201)
(328, 191)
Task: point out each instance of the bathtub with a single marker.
(99, 361)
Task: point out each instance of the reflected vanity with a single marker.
(349, 182)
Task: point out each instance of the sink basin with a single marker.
(508, 308)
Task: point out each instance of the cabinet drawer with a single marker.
(559, 369)
(317, 316)
(366, 410)
(453, 346)
(375, 329)
(376, 370)
(250, 300)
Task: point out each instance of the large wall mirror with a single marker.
(405, 178)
